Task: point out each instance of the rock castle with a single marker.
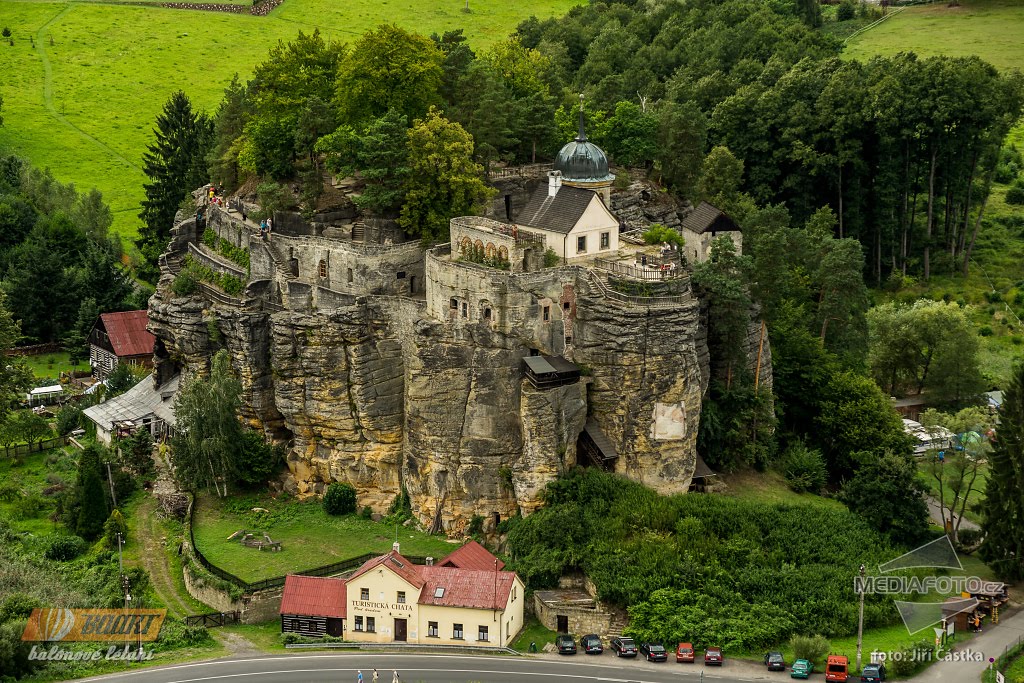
(472, 373)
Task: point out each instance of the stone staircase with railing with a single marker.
(281, 266)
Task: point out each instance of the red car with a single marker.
(713, 655)
(685, 653)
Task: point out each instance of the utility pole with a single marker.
(860, 617)
(124, 582)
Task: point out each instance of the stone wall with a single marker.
(461, 293)
(254, 608)
(582, 620)
(338, 264)
(220, 265)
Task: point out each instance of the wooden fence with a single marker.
(34, 350)
(214, 619)
(20, 449)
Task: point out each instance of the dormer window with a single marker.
(439, 592)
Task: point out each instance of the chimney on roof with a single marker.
(554, 182)
(394, 546)
(430, 562)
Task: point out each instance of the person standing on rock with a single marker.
(270, 227)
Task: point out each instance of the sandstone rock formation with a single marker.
(390, 368)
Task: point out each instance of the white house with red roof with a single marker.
(390, 599)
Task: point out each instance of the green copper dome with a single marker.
(583, 161)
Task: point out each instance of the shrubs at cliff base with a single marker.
(340, 499)
(711, 570)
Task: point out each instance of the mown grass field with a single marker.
(50, 365)
(309, 537)
(990, 29)
(83, 83)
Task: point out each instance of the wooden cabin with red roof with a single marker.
(120, 338)
(313, 606)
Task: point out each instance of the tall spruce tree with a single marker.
(1003, 509)
(92, 499)
(175, 165)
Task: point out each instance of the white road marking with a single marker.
(361, 655)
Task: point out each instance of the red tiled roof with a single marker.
(473, 588)
(396, 563)
(471, 556)
(314, 596)
(128, 334)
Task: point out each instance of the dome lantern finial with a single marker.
(582, 137)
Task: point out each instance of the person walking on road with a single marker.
(374, 676)
(359, 676)
(395, 678)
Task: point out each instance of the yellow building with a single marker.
(390, 599)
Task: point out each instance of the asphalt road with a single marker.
(341, 668)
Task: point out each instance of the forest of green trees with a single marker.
(58, 266)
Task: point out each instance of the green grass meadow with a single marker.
(49, 365)
(83, 83)
(990, 29)
(309, 537)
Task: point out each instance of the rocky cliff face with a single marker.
(647, 385)
(382, 395)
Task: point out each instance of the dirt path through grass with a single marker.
(154, 559)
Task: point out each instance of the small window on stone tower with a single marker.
(323, 268)
(547, 313)
(349, 274)
(465, 310)
(400, 275)
(453, 303)
(566, 306)
(487, 314)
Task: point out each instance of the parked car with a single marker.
(801, 669)
(565, 644)
(836, 668)
(685, 653)
(775, 661)
(623, 647)
(713, 655)
(654, 652)
(591, 644)
(873, 672)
